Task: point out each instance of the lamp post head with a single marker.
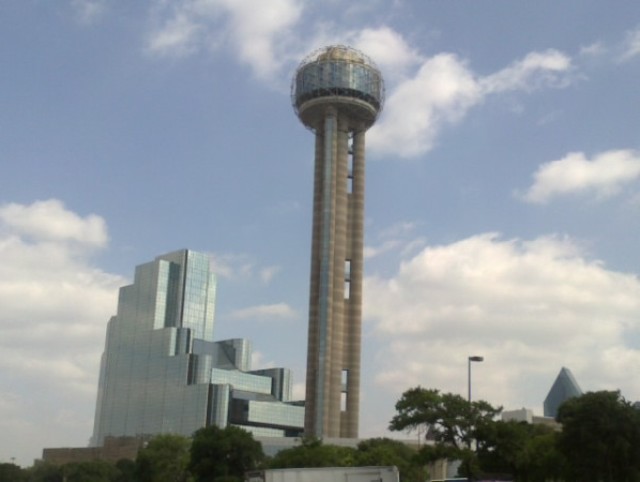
(476, 358)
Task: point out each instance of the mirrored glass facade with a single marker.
(162, 371)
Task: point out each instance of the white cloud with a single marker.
(604, 175)
(441, 92)
(380, 249)
(255, 31)
(240, 267)
(387, 48)
(51, 221)
(631, 46)
(298, 392)
(445, 88)
(398, 238)
(268, 273)
(258, 27)
(595, 49)
(88, 11)
(179, 36)
(536, 70)
(258, 361)
(529, 307)
(55, 306)
(276, 311)
(231, 266)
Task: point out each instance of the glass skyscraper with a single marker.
(162, 372)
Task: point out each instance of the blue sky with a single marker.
(503, 191)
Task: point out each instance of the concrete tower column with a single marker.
(355, 257)
(337, 93)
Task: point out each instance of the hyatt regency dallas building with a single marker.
(337, 92)
(161, 371)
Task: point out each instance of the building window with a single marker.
(345, 394)
(347, 279)
(350, 165)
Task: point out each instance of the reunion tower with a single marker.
(337, 92)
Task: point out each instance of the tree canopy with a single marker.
(90, 471)
(385, 451)
(165, 458)
(448, 419)
(600, 438)
(313, 453)
(224, 454)
(11, 473)
(525, 451)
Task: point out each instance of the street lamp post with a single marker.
(469, 360)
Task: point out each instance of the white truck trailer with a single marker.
(326, 474)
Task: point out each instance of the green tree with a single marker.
(164, 459)
(224, 454)
(313, 453)
(541, 458)
(126, 471)
(90, 471)
(45, 472)
(384, 451)
(600, 438)
(525, 451)
(12, 473)
(448, 419)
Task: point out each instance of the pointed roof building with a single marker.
(564, 388)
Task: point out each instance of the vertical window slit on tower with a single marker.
(350, 165)
(344, 392)
(347, 279)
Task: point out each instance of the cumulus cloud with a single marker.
(55, 306)
(255, 31)
(604, 175)
(441, 92)
(388, 48)
(445, 88)
(50, 220)
(276, 311)
(529, 307)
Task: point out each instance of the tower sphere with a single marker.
(340, 77)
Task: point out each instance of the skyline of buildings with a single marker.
(162, 371)
(160, 352)
(337, 93)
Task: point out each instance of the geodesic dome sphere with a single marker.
(341, 77)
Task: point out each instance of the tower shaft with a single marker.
(335, 306)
